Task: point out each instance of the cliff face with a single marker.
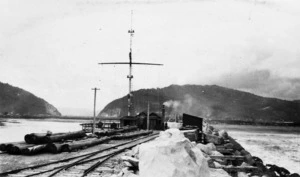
(209, 101)
(16, 101)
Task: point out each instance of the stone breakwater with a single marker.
(179, 153)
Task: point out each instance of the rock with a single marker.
(223, 134)
(294, 175)
(245, 165)
(248, 157)
(133, 161)
(213, 139)
(211, 163)
(211, 128)
(171, 155)
(128, 173)
(228, 146)
(279, 170)
(207, 149)
(220, 161)
(216, 153)
(211, 146)
(215, 132)
(127, 164)
(257, 160)
(237, 153)
(216, 164)
(236, 145)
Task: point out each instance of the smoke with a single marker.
(111, 113)
(188, 105)
(173, 104)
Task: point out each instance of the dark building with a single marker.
(128, 121)
(192, 121)
(155, 121)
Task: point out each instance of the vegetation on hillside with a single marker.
(15, 101)
(208, 101)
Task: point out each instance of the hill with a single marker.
(16, 101)
(209, 101)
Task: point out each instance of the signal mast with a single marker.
(130, 63)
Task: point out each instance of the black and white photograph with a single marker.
(150, 88)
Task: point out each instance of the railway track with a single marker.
(78, 166)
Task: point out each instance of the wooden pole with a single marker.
(94, 118)
(148, 110)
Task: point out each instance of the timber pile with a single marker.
(38, 142)
(72, 146)
(131, 135)
(223, 152)
(60, 142)
(114, 132)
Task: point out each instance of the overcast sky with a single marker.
(51, 47)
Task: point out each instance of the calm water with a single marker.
(15, 129)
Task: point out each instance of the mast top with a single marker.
(131, 31)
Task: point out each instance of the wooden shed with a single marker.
(154, 121)
(189, 120)
(128, 121)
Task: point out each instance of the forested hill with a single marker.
(16, 101)
(209, 101)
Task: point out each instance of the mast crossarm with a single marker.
(113, 63)
(133, 63)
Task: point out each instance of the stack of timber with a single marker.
(37, 142)
(66, 142)
(131, 135)
(68, 147)
(22, 148)
(113, 132)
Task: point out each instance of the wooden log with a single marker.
(68, 147)
(225, 151)
(237, 169)
(120, 137)
(3, 147)
(64, 136)
(35, 138)
(54, 148)
(38, 138)
(17, 148)
(34, 149)
(113, 132)
(227, 157)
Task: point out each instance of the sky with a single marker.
(52, 48)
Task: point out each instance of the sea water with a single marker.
(13, 130)
(273, 144)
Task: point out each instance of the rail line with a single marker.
(82, 165)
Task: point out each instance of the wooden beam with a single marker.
(237, 169)
(227, 157)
